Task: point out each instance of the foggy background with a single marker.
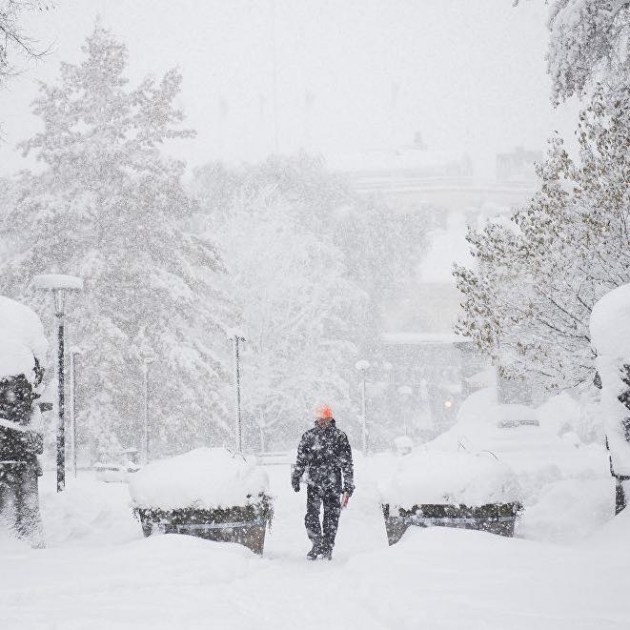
(469, 75)
(342, 151)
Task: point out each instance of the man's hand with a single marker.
(296, 485)
(345, 497)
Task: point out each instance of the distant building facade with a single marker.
(433, 368)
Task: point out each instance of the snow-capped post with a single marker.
(59, 284)
(147, 359)
(237, 336)
(363, 367)
(74, 351)
(610, 337)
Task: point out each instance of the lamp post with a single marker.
(363, 367)
(59, 285)
(236, 337)
(74, 351)
(405, 391)
(146, 362)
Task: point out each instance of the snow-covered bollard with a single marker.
(610, 338)
(23, 346)
(403, 445)
(208, 492)
(452, 490)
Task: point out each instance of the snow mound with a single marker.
(219, 561)
(568, 510)
(524, 439)
(87, 513)
(610, 324)
(610, 321)
(21, 339)
(614, 534)
(203, 478)
(456, 478)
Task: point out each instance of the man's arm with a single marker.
(347, 467)
(300, 463)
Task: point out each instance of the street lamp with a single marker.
(236, 336)
(59, 285)
(74, 351)
(405, 391)
(363, 367)
(146, 361)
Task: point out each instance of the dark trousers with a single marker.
(322, 534)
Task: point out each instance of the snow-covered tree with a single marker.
(380, 246)
(538, 275)
(108, 206)
(312, 264)
(299, 312)
(588, 42)
(12, 37)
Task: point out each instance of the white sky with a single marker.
(470, 73)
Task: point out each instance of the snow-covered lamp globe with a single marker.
(59, 285)
(610, 338)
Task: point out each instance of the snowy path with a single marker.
(103, 575)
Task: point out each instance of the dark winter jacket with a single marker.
(325, 455)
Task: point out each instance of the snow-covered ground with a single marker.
(99, 573)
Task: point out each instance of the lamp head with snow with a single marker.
(235, 333)
(59, 284)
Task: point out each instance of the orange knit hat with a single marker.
(323, 411)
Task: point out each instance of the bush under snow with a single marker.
(204, 478)
(454, 478)
(21, 339)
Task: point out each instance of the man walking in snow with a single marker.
(324, 454)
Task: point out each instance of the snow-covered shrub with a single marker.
(205, 478)
(450, 477)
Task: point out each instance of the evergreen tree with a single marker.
(108, 206)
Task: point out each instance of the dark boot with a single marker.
(326, 553)
(315, 552)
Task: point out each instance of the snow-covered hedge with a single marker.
(205, 478)
(453, 478)
(22, 339)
